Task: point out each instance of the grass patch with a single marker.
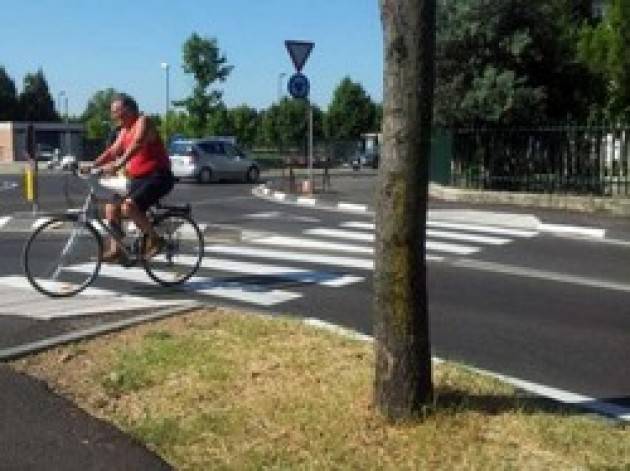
(223, 390)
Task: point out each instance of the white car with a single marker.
(211, 159)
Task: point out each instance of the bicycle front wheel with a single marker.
(62, 257)
(182, 253)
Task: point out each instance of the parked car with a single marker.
(211, 159)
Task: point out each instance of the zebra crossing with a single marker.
(265, 269)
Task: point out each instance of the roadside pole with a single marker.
(31, 171)
(310, 146)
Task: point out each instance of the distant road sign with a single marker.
(299, 86)
(299, 52)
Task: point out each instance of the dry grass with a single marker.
(223, 390)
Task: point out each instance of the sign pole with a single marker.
(310, 145)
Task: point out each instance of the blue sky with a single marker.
(87, 45)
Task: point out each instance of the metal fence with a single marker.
(568, 160)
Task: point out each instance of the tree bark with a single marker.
(403, 382)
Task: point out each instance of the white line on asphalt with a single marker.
(592, 232)
(352, 207)
(340, 234)
(305, 257)
(481, 239)
(540, 274)
(4, 220)
(39, 222)
(345, 262)
(243, 292)
(541, 390)
(451, 248)
(364, 226)
(20, 282)
(482, 228)
(279, 196)
(306, 201)
(298, 242)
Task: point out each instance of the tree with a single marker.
(35, 101)
(509, 62)
(97, 117)
(205, 62)
(351, 112)
(9, 109)
(403, 382)
(245, 122)
(219, 122)
(604, 48)
(285, 123)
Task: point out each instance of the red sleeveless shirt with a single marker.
(150, 158)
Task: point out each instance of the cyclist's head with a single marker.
(124, 108)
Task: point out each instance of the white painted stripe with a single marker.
(352, 206)
(266, 191)
(40, 222)
(346, 262)
(279, 196)
(243, 292)
(481, 228)
(592, 232)
(364, 226)
(340, 234)
(307, 201)
(560, 395)
(542, 275)
(4, 220)
(467, 237)
(451, 248)
(302, 243)
(300, 275)
(20, 282)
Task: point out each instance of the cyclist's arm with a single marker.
(111, 152)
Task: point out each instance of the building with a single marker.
(67, 138)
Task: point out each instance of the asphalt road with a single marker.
(545, 308)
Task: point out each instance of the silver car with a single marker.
(209, 159)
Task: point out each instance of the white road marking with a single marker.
(298, 242)
(352, 207)
(364, 226)
(480, 239)
(4, 220)
(340, 234)
(451, 248)
(481, 228)
(541, 274)
(591, 232)
(20, 282)
(40, 222)
(306, 201)
(243, 292)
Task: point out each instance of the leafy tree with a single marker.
(205, 62)
(245, 123)
(285, 124)
(604, 47)
(351, 112)
(509, 62)
(176, 123)
(219, 122)
(9, 107)
(35, 101)
(97, 117)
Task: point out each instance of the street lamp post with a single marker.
(64, 95)
(281, 75)
(165, 66)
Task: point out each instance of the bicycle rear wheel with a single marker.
(62, 257)
(182, 252)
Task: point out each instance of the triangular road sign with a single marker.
(299, 52)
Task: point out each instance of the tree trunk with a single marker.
(401, 329)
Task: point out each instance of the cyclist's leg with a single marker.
(113, 216)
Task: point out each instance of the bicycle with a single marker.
(76, 245)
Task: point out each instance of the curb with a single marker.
(527, 222)
(586, 204)
(264, 192)
(620, 413)
(91, 332)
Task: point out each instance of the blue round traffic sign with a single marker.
(298, 86)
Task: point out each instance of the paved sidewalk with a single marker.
(42, 431)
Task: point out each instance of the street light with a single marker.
(64, 95)
(165, 66)
(281, 75)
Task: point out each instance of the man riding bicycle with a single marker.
(138, 150)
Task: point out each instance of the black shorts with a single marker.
(146, 191)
